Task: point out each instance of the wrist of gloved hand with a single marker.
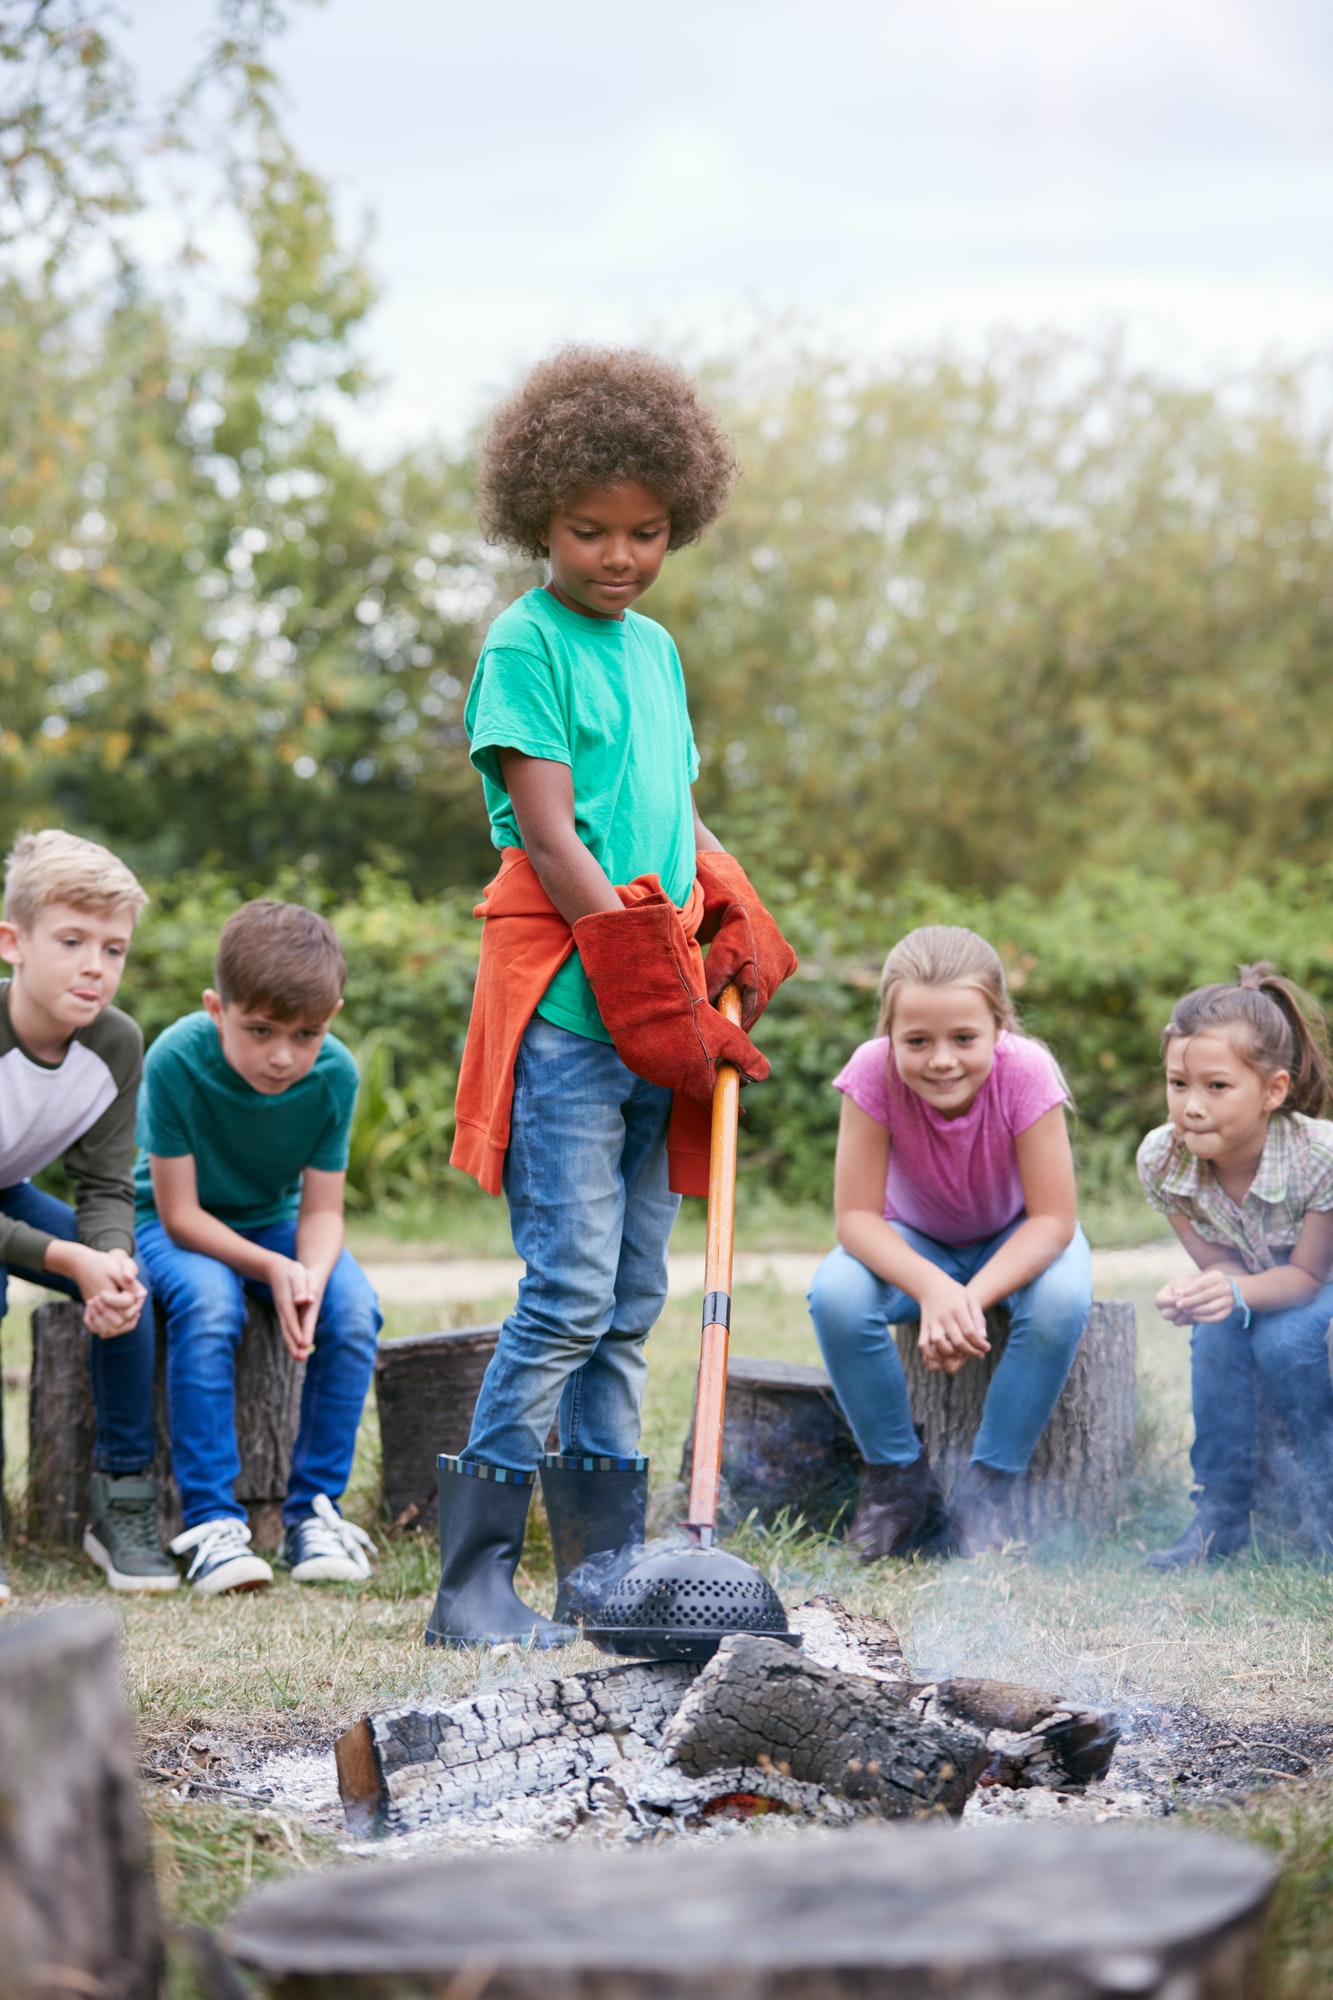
(651, 996)
(747, 945)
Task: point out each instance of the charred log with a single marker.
(758, 1703)
(1034, 1738)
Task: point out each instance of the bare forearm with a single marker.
(1276, 1290)
(1032, 1249)
(877, 1244)
(575, 883)
(705, 841)
(319, 1242)
(193, 1228)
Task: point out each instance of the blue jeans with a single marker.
(204, 1302)
(591, 1215)
(853, 1310)
(1289, 1350)
(121, 1365)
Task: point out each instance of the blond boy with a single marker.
(70, 1065)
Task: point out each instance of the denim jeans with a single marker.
(121, 1366)
(204, 1302)
(1289, 1350)
(853, 1309)
(591, 1215)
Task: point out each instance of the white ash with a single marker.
(833, 1636)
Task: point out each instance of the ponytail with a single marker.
(1283, 1029)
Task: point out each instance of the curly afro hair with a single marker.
(593, 416)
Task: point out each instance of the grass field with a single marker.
(1249, 1639)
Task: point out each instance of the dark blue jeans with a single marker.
(1289, 1351)
(121, 1366)
(204, 1302)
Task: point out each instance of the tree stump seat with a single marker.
(60, 1425)
(787, 1445)
(1079, 1472)
(1000, 1913)
(426, 1388)
(78, 1911)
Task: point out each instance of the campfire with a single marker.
(834, 1733)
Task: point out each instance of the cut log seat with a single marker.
(1008, 1913)
(426, 1388)
(78, 1912)
(60, 1425)
(786, 1444)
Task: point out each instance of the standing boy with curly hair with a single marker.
(592, 1005)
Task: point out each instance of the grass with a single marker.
(1249, 1639)
(470, 1224)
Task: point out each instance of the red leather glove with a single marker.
(747, 945)
(646, 982)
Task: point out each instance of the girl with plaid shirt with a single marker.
(1244, 1174)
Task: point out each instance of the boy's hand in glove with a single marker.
(747, 945)
(646, 982)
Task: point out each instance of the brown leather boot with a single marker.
(982, 1516)
(900, 1512)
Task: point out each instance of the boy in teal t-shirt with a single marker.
(579, 727)
(244, 1118)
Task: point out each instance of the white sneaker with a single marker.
(222, 1557)
(323, 1548)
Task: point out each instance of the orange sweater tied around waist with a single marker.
(524, 942)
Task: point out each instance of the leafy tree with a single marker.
(994, 622)
(985, 622)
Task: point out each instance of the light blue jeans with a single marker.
(591, 1215)
(204, 1303)
(853, 1310)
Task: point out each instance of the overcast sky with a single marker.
(881, 172)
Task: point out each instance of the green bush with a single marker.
(1095, 969)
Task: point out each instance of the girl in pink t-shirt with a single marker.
(954, 1192)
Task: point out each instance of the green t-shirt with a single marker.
(249, 1149)
(607, 697)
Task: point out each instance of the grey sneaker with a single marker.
(121, 1536)
(323, 1548)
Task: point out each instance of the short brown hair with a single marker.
(282, 958)
(597, 416)
(54, 867)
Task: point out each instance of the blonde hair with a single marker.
(55, 867)
(945, 955)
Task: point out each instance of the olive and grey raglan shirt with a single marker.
(80, 1110)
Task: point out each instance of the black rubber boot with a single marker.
(483, 1515)
(982, 1511)
(595, 1507)
(900, 1512)
(1216, 1531)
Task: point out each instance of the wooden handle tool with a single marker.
(711, 1399)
